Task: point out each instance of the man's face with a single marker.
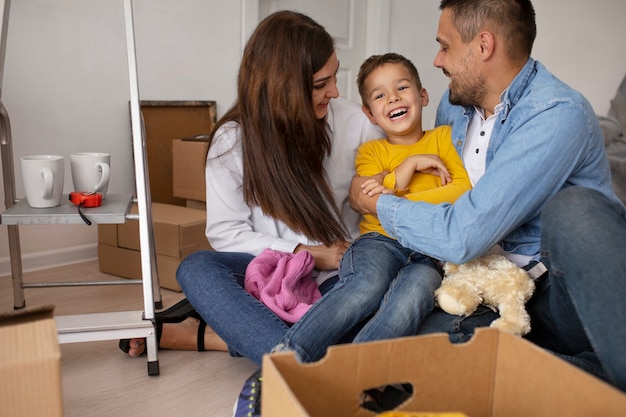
(458, 62)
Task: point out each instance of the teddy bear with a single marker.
(491, 280)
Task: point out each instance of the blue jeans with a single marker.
(579, 311)
(578, 308)
(214, 284)
(381, 281)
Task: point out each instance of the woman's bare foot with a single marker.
(181, 336)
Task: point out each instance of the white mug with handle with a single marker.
(90, 172)
(43, 176)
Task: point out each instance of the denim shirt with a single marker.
(547, 137)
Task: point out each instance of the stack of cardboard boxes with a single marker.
(177, 189)
(178, 230)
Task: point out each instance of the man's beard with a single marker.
(468, 87)
(470, 94)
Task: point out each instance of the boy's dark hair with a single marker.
(375, 61)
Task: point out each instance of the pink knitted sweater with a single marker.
(283, 282)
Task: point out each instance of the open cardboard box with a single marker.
(495, 374)
(30, 364)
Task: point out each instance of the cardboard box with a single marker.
(178, 232)
(165, 121)
(198, 205)
(107, 234)
(126, 263)
(188, 158)
(495, 374)
(30, 364)
(409, 414)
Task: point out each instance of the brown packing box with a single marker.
(178, 232)
(495, 374)
(188, 157)
(30, 364)
(107, 234)
(165, 121)
(409, 414)
(126, 263)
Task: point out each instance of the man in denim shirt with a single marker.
(524, 136)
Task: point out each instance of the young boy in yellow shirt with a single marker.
(381, 281)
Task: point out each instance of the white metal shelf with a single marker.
(114, 209)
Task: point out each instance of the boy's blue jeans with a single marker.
(381, 281)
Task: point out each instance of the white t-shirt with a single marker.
(475, 159)
(477, 142)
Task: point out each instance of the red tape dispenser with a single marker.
(82, 199)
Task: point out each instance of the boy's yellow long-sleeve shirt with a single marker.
(379, 155)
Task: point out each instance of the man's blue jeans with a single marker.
(381, 281)
(578, 310)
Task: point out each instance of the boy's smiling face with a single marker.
(395, 102)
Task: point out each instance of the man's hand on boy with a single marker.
(360, 200)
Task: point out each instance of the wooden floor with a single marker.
(99, 380)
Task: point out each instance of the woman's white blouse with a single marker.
(232, 226)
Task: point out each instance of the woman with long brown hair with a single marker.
(279, 165)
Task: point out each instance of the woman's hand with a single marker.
(326, 257)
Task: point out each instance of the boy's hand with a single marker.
(424, 163)
(432, 164)
(372, 187)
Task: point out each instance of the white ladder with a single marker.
(95, 326)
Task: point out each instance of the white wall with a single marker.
(582, 42)
(66, 84)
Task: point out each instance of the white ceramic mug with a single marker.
(90, 172)
(43, 176)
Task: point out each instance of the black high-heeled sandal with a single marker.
(183, 308)
(177, 313)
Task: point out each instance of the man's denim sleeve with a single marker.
(543, 145)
